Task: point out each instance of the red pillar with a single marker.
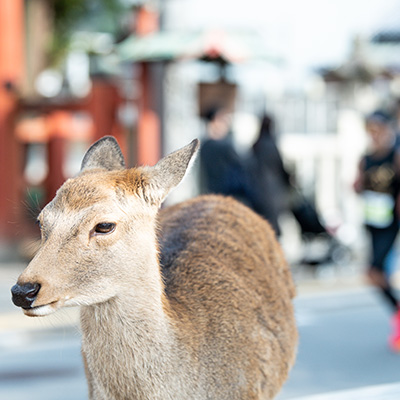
(148, 128)
(11, 75)
(58, 126)
(55, 160)
(148, 133)
(104, 101)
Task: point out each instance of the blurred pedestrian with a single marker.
(222, 169)
(378, 182)
(396, 121)
(271, 181)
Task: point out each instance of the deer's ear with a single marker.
(169, 171)
(104, 154)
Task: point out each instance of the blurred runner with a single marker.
(378, 183)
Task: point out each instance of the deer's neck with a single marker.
(131, 346)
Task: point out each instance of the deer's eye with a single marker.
(103, 228)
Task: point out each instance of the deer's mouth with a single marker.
(42, 310)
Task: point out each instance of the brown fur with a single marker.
(238, 271)
(192, 302)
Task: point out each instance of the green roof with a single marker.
(232, 46)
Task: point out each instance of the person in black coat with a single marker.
(222, 170)
(271, 181)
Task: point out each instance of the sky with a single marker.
(306, 33)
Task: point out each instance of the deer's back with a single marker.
(230, 290)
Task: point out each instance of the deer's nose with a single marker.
(24, 295)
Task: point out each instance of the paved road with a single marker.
(342, 347)
(42, 366)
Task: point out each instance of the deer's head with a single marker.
(98, 233)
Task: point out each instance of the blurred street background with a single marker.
(148, 72)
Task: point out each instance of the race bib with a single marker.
(378, 209)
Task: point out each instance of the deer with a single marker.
(191, 301)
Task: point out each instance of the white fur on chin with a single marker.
(40, 311)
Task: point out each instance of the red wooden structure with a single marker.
(11, 75)
(55, 127)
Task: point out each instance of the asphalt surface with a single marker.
(343, 347)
